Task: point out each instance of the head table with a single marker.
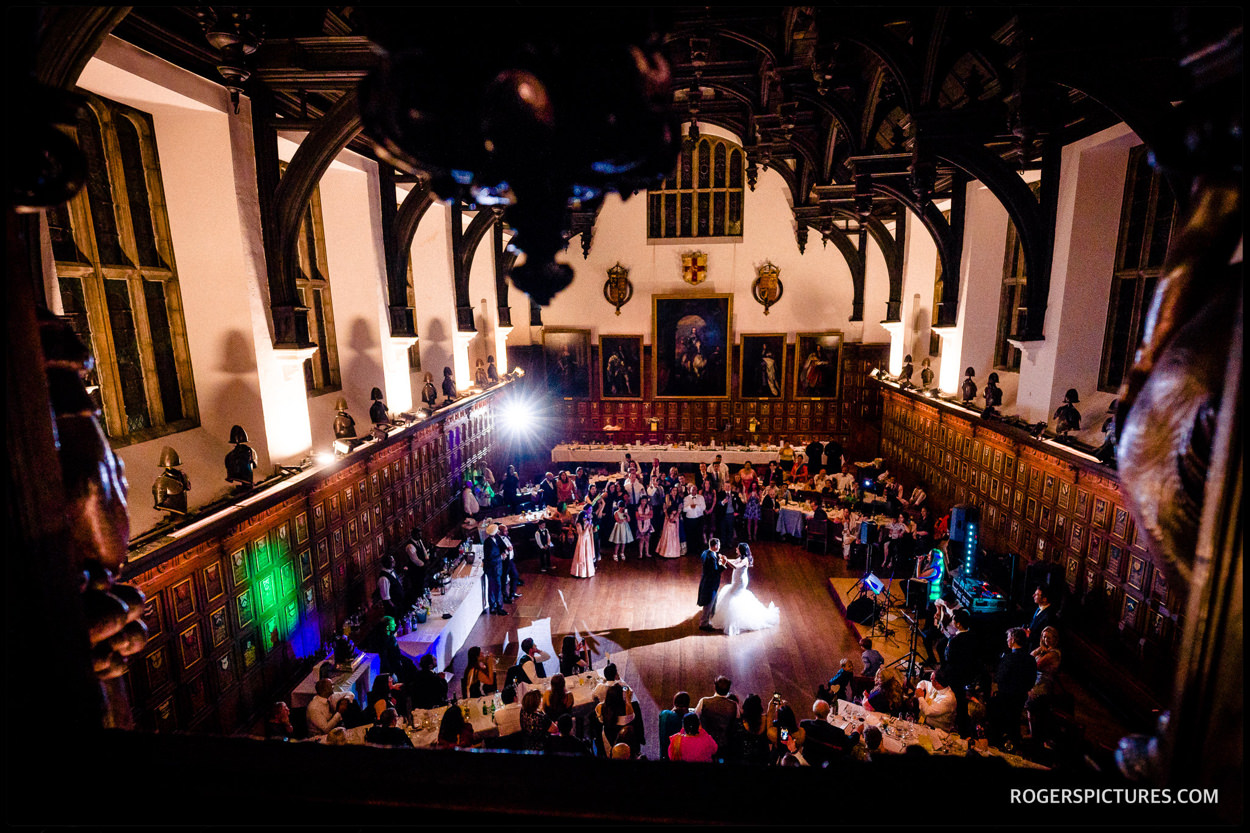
(672, 455)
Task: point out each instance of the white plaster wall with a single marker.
(205, 157)
(432, 290)
(817, 285)
(1091, 195)
(485, 304)
(357, 269)
(970, 343)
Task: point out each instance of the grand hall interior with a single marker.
(625, 415)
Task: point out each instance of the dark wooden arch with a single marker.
(946, 236)
(332, 133)
(856, 261)
(404, 229)
(892, 247)
(464, 247)
(69, 37)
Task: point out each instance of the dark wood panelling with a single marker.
(237, 619)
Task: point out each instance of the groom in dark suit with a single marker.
(709, 584)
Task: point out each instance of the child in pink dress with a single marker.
(645, 514)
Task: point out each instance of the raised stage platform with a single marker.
(890, 632)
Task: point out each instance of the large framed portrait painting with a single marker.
(620, 367)
(817, 365)
(690, 345)
(567, 355)
(762, 366)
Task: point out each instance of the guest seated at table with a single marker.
(564, 742)
(819, 481)
(507, 716)
(747, 740)
(917, 497)
(670, 720)
(610, 680)
(454, 732)
(322, 710)
(384, 695)
(621, 752)
(798, 472)
(429, 688)
(557, 700)
(278, 725)
(351, 712)
(336, 737)
(889, 694)
(386, 731)
(784, 732)
(845, 481)
(774, 476)
(692, 743)
(479, 673)
(535, 724)
(936, 702)
(531, 662)
(871, 746)
(572, 659)
(613, 713)
(391, 659)
(822, 741)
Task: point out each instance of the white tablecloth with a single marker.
(668, 454)
(464, 599)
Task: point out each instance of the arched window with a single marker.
(118, 284)
(1012, 303)
(1145, 230)
(703, 197)
(321, 370)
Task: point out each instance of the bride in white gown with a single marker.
(737, 608)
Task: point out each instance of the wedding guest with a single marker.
(429, 688)
(822, 741)
(784, 732)
(888, 694)
(469, 501)
(645, 528)
(621, 534)
(719, 710)
(839, 686)
(798, 472)
(383, 696)
(278, 725)
(785, 457)
(386, 731)
(479, 673)
(572, 661)
(557, 700)
(610, 680)
(752, 513)
(507, 716)
(336, 737)
(581, 480)
(720, 473)
(747, 740)
(455, 733)
(531, 662)
(871, 658)
(511, 488)
(670, 545)
(534, 722)
(747, 478)
(936, 702)
(613, 713)
(322, 710)
(701, 476)
(566, 489)
(545, 546)
(693, 508)
(693, 743)
(1014, 677)
(1040, 703)
(564, 742)
(671, 719)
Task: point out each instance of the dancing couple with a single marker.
(736, 609)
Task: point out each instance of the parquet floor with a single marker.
(644, 614)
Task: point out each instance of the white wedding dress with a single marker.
(738, 610)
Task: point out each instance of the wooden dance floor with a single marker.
(644, 614)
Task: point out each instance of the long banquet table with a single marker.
(670, 454)
(480, 713)
(464, 599)
(898, 734)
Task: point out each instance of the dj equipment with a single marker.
(874, 584)
(859, 556)
(868, 532)
(979, 596)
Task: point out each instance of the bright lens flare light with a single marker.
(520, 417)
